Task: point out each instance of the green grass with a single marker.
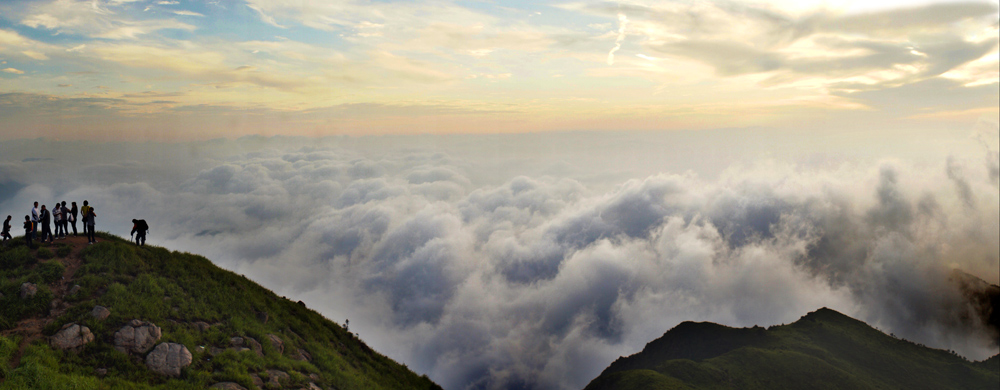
(823, 350)
(174, 290)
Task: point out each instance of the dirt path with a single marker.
(30, 329)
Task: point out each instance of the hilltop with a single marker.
(117, 316)
(822, 350)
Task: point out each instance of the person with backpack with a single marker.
(6, 231)
(57, 218)
(45, 218)
(73, 212)
(139, 229)
(29, 230)
(65, 219)
(88, 221)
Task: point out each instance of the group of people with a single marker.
(64, 217)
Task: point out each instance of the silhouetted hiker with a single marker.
(65, 219)
(6, 231)
(83, 214)
(45, 218)
(88, 221)
(139, 228)
(57, 218)
(29, 230)
(73, 212)
(34, 218)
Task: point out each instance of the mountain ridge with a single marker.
(87, 317)
(823, 349)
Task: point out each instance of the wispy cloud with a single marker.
(12, 70)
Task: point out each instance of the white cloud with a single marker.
(483, 270)
(188, 13)
(12, 70)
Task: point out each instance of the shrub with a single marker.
(63, 250)
(50, 271)
(44, 253)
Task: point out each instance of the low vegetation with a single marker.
(823, 350)
(195, 304)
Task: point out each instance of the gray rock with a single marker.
(254, 346)
(100, 312)
(312, 386)
(215, 351)
(277, 377)
(276, 343)
(227, 386)
(71, 336)
(75, 289)
(301, 354)
(236, 341)
(202, 326)
(168, 359)
(28, 290)
(137, 337)
(199, 349)
(102, 372)
(257, 381)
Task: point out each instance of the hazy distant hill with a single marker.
(237, 334)
(822, 350)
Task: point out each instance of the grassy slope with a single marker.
(823, 350)
(174, 290)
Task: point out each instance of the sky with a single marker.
(511, 195)
(189, 70)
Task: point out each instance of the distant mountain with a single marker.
(117, 316)
(822, 350)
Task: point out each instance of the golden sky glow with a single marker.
(187, 70)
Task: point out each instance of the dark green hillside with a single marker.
(235, 330)
(823, 350)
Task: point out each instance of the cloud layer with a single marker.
(489, 271)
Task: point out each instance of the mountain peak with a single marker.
(118, 315)
(824, 346)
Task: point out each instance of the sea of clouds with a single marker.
(535, 260)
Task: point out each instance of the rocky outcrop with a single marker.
(254, 346)
(168, 359)
(276, 343)
(301, 354)
(137, 337)
(227, 386)
(71, 336)
(28, 290)
(277, 378)
(100, 312)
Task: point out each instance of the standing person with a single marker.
(45, 218)
(139, 228)
(6, 231)
(73, 212)
(89, 223)
(65, 219)
(57, 218)
(29, 230)
(34, 218)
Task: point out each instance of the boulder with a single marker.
(100, 312)
(257, 381)
(236, 342)
(137, 337)
(28, 290)
(254, 346)
(168, 359)
(71, 336)
(301, 354)
(277, 377)
(227, 386)
(312, 386)
(75, 289)
(276, 343)
(202, 326)
(101, 372)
